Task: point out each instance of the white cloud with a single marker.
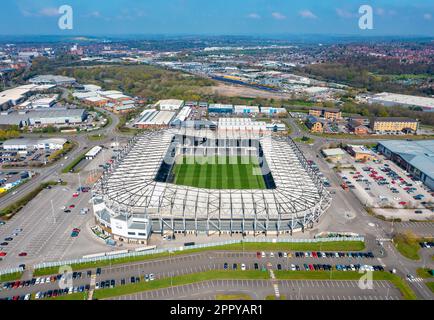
(254, 16)
(49, 12)
(427, 16)
(278, 16)
(307, 14)
(344, 13)
(380, 11)
(44, 12)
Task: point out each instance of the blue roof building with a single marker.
(417, 157)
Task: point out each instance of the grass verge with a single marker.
(399, 283)
(178, 281)
(430, 286)
(423, 273)
(74, 163)
(408, 245)
(11, 276)
(250, 246)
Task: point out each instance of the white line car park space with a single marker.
(259, 289)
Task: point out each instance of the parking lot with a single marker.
(45, 229)
(202, 262)
(259, 289)
(385, 185)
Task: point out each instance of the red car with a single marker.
(22, 254)
(76, 230)
(71, 206)
(403, 203)
(314, 254)
(258, 255)
(3, 254)
(75, 195)
(311, 267)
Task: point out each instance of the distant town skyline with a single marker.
(223, 17)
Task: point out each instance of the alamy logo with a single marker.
(366, 280)
(66, 18)
(366, 21)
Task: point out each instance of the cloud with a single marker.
(254, 16)
(44, 12)
(49, 12)
(307, 14)
(380, 11)
(278, 16)
(427, 16)
(345, 13)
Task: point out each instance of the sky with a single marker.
(217, 17)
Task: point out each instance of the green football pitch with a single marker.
(218, 172)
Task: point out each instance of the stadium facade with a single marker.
(136, 196)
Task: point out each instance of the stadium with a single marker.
(187, 181)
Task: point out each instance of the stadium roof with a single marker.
(132, 185)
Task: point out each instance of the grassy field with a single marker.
(408, 245)
(142, 286)
(74, 163)
(301, 246)
(430, 285)
(219, 172)
(398, 282)
(178, 281)
(423, 273)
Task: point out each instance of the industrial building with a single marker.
(416, 157)
(241, 124)
(360, 153)
(220, 108)
(42, 117)
(152, 118)
(246, 109)
(181, 116)
(92, 153)
(394, 125)
(135, 198)
(170, 104)
(33, 144)
(270, 111)
(393, 99)
(53, 80)
(334, 154)
(15, 96)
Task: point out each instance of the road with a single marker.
(52, 172)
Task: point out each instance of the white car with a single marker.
(47, 280)
(38, 295)
(336, 255)
(38, 281)
(27, 297)
(285, 255)
(70, 290)
(293, 267)
(151, 277)
(96, 286)
(243, 267)
(271, 255)
(263, 254)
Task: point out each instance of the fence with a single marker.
(198, 246)
(10, 271)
